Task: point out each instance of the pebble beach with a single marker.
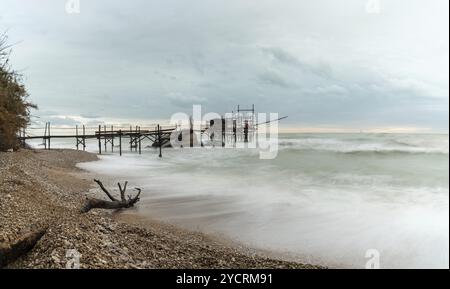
(45, 189)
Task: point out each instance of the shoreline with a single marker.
(46, 188)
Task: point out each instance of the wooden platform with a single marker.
(159, 137)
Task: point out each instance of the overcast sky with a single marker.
(325, 63)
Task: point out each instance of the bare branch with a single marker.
(122, 192)
(92, 203)
(105, 191)
(125, 187)
(136, 198)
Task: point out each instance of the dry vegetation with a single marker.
(14, 107)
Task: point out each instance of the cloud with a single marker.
(321, 61)
(180, 99)
(87, 115)
(331, 89)
(68, 120)
(415, 86)
(321, 69)
(273, 78)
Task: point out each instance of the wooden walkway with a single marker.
(241, 126)
(108, 136)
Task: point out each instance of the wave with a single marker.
(360, 145)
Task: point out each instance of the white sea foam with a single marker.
(321, 205)
(388, 143)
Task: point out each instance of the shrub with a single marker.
(14, 107)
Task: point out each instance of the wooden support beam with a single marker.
(235, 130)
(139, 140)
(120, 142)
(191, 132)
(223, 131)
(76, 134)
(159, 141)
(104, 138)
(84, 138)
(131, 138)
(246, 131)
(49, 136)
(24, 136)
(112, 138)
(135, 139)
(45, 135)
(99, 139)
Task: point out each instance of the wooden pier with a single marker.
(106, 137)
(239, 126)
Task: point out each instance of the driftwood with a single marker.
(9, 252)
(92, 203)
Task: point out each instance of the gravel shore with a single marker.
(44, 189)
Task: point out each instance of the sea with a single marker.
(362, 200)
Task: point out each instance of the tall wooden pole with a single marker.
(135, 140)
(104, 129)
(76, 134)
(49, 135)
(112, 138)
(191, 132)
(45, 136)
(120, 142)
(84, 138)
(23, 134)
(159, 141)
(223, 131)
(235, 130)
(99, 139)
(131, 138)
(139, 136)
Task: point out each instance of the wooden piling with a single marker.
(191, 132)
(22, 134)
(120, 142)
(223, 131)
(246, 131)
(84, 138)
(234, 131)
(104, 138)
(76, 134)
(112, 138)
(99, 139)
(49, 136)
(139, 136)
(135, 140)
(45, 136)
(159, 141)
